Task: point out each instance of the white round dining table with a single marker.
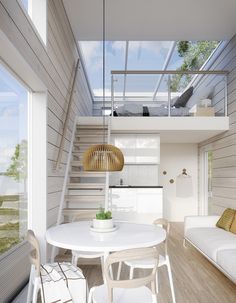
(78, 236)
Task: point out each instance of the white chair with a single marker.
(57, 282)
(148, 263)
(34, 280)
(127, 291)
(76, 254)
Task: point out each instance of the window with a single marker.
(142, 55)
(13, 161)
(25, 3)
(37, 10)
(209, 167)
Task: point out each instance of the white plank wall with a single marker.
(63, 53)
(54, 64)
(224, 145)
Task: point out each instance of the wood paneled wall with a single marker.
(224, 145)
(63, 52)
(53, 64)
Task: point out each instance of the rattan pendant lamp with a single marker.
(103, 157)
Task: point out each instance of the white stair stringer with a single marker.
(85, 191)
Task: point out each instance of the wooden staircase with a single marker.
(85, 191)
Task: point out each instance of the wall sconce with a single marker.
(184, 185)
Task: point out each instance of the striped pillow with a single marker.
(226, 219)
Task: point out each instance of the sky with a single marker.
(142, 55)
(13, 116)
(25, 3)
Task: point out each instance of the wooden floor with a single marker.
(196, 280)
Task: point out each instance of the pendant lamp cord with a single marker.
(103, 63)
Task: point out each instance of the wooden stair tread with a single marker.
(76, 163)
(86, 144)
(84, 199)
(86, 185)
(73, 211)
(90, 135)
(86, 174)
(93, 126)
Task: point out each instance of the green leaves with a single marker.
(18, 167)
(108, 215)
(194, 54)
(102, 215)
(182, 47)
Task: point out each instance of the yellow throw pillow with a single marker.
(226, 219)
(233, 225)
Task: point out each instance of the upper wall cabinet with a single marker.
(138, 148)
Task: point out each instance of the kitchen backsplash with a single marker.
(136, 175)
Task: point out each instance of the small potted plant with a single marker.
(103, 219)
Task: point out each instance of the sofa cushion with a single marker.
(203, 93)
(226, 219)
(227, 260)
(233, 225)
(183, 99)
(210, 240)
(133, 109)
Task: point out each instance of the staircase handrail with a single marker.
(65, 182)
(65, 126)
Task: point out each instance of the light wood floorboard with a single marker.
(196, 280)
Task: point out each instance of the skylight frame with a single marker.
(125, 95)
(126, 65)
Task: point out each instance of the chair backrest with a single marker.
(88, 215)
(35, 251)
(166, 225)
(128, 255)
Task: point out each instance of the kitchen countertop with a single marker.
(135, 186)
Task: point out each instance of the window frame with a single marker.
(17, 256)
(23, 84)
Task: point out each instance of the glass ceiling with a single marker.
(141, 55)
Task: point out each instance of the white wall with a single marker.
(175, 157)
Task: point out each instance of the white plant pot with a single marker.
(103, 224)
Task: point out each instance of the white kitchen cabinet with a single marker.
(138, 148)
(136, 204)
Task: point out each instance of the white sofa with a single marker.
(216, 244)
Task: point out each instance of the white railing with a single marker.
(115, 99)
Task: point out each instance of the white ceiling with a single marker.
(147, 20)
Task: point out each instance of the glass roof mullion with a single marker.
(139, 55)
(165, 65)
(126, 64)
